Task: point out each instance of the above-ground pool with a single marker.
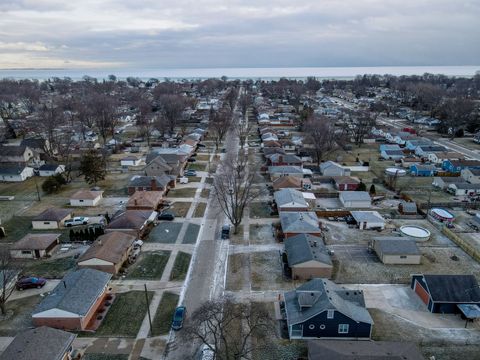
(416, 232)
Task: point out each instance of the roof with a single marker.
(42, 343)
(305, 247)
(471, 311)
(109, 247)
(130, 219)
(355, 196)
(149, 199)
(35, 242)
(159, 162)
(328, 164)
(423, 167)
(345, 180)
(397, 247)
(394, 152)
(362, 350)
(285, 169)
(465, 163)
(465, 186)
(146, 181)
(6, 150)
(48, 167)
(52, 214)
(34, 143)
(433, 148)
(76, 293)
(290, 197)
(11, 170)
(409, 206)
(319, 295)
(367, 216)
(287, 182)
(453, 288)
(299, 222)
(86, 195)
(288, 158)
(475, 172)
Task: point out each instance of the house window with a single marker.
(296, 330)
(330, 314)
(343, 328)
(80, 200)
(322, 327)
(26, 252)
(46, 223)
(311, 326)
(403, 256)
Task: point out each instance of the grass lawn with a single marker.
(106, 357)
(150, 266)
(205, 193)
(180, 266)
(197, 166)
(200, 209)
(21, 315)
(194, 179)
(260, 210)
(165, 232)
(203, 157)
(185, 192)
(17, 227)
(126, 315)
(180, 209)
(209, 180)
(261, 234)
(50, 269)
(235, 276)
(191, 234)
(163, 317)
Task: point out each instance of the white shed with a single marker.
(355, 199)
(86, 198)
(368, 220)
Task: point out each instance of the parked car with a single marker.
(183, 180)
(30, 282)
(178, 317)
(225, 232)
(166, 216)
(191, 160)
(190, 173)
(201, 145)
(77, 220)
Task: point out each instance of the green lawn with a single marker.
(180, 266)
(163, 317)
(185, 192)
(150, 266)
(17, 227)
(20, 317)
(50, 269)
(200, 210)
(194, 179)
(260, 210)
(126, 315)
(203, 157)
(197, 166)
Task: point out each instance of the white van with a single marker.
(184, 180)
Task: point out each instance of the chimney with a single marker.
(135, 201)
(153, 184)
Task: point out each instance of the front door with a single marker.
(37, 254)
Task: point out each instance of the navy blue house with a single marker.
(443, 293)
(322, 309)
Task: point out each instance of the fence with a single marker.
(469, 249)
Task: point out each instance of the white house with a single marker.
(49, 169)
(51, 218)
(331, 168)
(464, 188)
(355, 199)
(15, 173)
(86, 198)
(130, 161)
(368, 220)
(471, 176)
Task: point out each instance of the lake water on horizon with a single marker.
(240, 73)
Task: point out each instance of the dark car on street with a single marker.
(225, 232)
(191, 159)
(178, 317)
(30, 282)
(166, 216)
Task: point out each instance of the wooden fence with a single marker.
(468, 248)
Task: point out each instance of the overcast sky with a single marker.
(237, 33)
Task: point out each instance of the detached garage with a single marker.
(355, 199)
(397, 251)
(368, 220)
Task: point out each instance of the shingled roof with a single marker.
(109, 247)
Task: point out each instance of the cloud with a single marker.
(239, 33)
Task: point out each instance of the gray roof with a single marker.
(76, 293)
(11, 170)
(53, 214)
(394, 152)
(367, 216)
(18, 150)
(49, 167)
(299, 222)
(355, 196)
(146, 181)
(433, 148)
(328, 164)
(42, 343)
(409, 206)
(453, 288)
(288, 158)
(285, 170)
(319, 295)
(305, 247)
(397, 247)
(291, 197)
(466, 186)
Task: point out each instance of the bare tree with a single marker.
(219, 123)
(360, 124)
(242, 129)
(233, 331)
(234, 187)
(51, 117)
(104, 108)
(172, 107)
(8, 274)
(231, 98)
(321, 136)
(244, 101)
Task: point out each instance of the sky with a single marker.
(233, 33)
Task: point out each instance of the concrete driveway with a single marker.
(49, 286)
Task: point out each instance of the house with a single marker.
(330, 168)
(424, 150)
(34, 246)
(157, 167)
(444, 293)
(130, 161)
(19, 155)
(444, 181)
(284, 160)
(355, 199)
(471, 176)
(145, 200)
(307, 257)
(362, 350)
(302, 222)
(389, 147)
(51, 169)
(322, 309)
(279, 171)
(392, 154)
(407, 208)
(345, 183)
(86, 198)
(151, 183)
(463, 188)
(74, 302)
(42, 343)
(52, 218)
(440, 157)
(288, 182)
(368, 220)
(15, 173)
(108, 253)
(456, 166)
(422, 170)
(290, 200)
(273, 150)
(414, 143)
(134, 222)
(39, 145)
(397, 250)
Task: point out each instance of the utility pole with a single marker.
(36, 186)
(148, 309)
